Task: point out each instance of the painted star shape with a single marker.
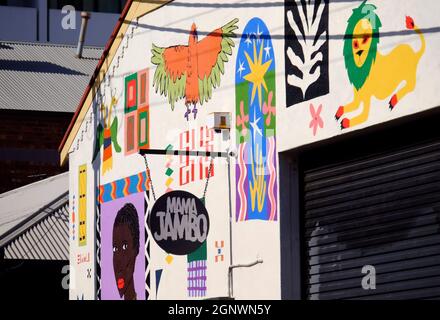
(241, 68)
(254, 125)
(267, 50)
(258, 34)
(248, 40)
(258, 70)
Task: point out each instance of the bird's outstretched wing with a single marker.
(170, 75)
(213, 52)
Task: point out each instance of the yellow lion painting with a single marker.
(372, 73)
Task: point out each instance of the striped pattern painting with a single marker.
(197, 272)
(197, 278)
(123, 187)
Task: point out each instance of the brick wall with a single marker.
(29, 142)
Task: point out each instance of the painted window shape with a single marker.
(143, 88)
(130, 133)
(137, 112)
(131, 94)
(143, 128)
(82, 205)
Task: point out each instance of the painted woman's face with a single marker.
(124, 258)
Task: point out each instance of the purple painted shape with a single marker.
(245, 184)
(243, 209)
(109, 290)
(197, 278)
(276, 183)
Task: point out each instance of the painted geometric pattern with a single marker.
(98, 253)
(197, 271)
(169, 171)
(123, 187)
(147, 250)
(73, 217)
(197, 278)
(147, 267)
(256, 173)
(219, 246)
(82, 205)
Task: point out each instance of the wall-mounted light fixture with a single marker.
(219, 121)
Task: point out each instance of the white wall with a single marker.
(253, 239)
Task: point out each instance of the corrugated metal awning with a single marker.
(45, 237)
(42, 234)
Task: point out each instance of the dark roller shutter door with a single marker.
(381, 210)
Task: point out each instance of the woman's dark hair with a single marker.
(128, 215)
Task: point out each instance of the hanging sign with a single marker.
(179, 222)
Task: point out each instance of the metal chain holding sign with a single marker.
(149, 177)
(211, 164)
(194, 221)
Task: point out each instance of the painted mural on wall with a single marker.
(107, 136)
(123, 187)
(158, 276)
(169, 158)
(137, 112)
(193, 71)
(197, 272)
(124, 252)
(306, 49)
(372, 73)
(219, 251)
(255, 124)
(82, 205)
(317, 122)
(72, 218)
(123, 236)
(179, 222)
(195, 168)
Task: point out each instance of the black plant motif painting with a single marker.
(306, 50)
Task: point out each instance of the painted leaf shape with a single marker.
(310, 41)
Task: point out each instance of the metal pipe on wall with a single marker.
(231, 269)
(230, 276)
(85, 16)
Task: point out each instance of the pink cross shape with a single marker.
(269, 109)
(242, 119)
(316, 118)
